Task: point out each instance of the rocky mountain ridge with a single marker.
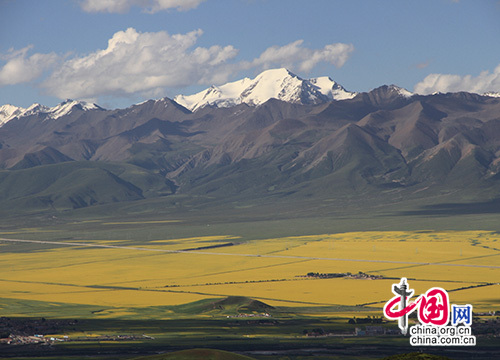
(384, 144)
(279, 84)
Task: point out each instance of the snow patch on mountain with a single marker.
(492, 94)
(401, 91)
(35, 109)
(9, 112)
(67, 107)
(331, 89)
(279, 84)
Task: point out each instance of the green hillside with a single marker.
(197, 354)
(77, 184)
(232, 305)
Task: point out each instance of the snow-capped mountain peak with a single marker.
(67, 106)
(492, 94)
(331, 89)
(35, 109)
(280, 84)
(8, 112)
(401, 91)
(276, 83)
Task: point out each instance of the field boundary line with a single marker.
(244, 255)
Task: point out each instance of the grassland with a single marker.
(165, 275)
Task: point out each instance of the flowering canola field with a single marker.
(117, 274)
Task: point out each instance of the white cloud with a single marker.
(150, 6)
(19, 68)
(180, 5)
(111, 6)
(295, 56)
(146, 64)
(137, 62)
(480, 84)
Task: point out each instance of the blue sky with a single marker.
(120, 52)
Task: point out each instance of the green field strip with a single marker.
(452, 290)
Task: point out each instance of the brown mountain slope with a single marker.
(379, 140)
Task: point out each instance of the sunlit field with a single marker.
(119, 276)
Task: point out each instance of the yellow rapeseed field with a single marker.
(169, 272)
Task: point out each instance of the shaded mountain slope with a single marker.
(385, 144)
(76, 184)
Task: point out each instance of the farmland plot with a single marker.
(122, 275)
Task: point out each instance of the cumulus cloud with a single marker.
(21, 68)
(137, 62)
(146, 64)
(295, 56)
(480, 84)
(150, 6)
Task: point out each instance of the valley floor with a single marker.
(106, 287)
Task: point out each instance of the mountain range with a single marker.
(278, 84)
(276, 137)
